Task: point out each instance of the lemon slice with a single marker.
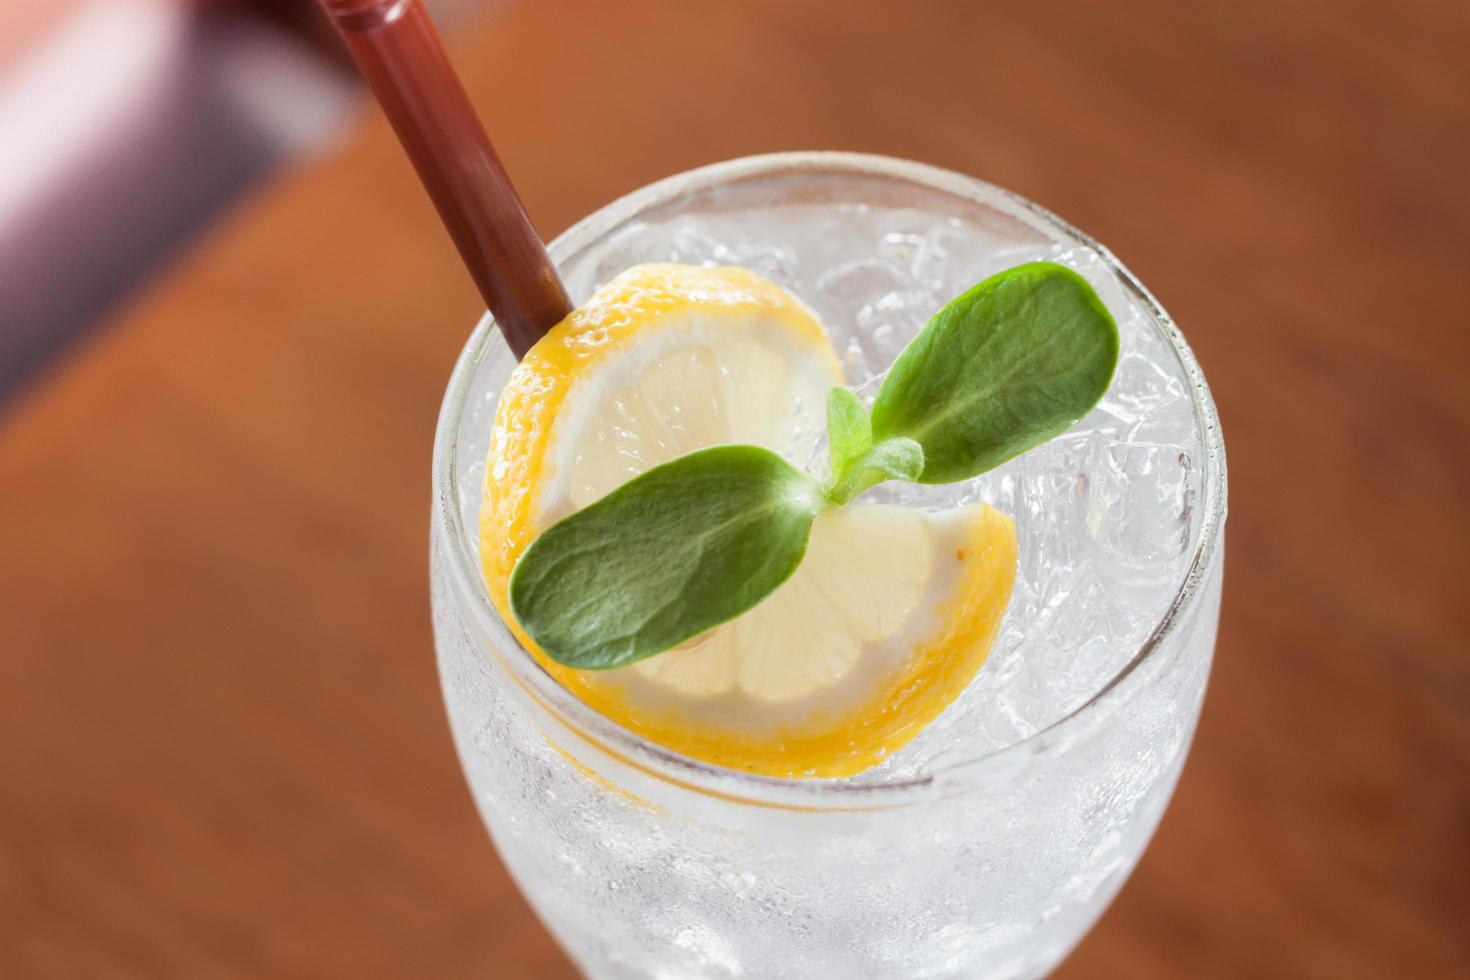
(892, 610)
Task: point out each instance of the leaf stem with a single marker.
(896, 458)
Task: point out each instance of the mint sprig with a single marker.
(1009, 364)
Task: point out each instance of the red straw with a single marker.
(398, 50)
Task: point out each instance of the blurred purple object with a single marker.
(127, 124)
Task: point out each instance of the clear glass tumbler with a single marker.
(989, 845)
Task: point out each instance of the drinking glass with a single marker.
(987, 846)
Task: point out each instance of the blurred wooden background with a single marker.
(222, 750)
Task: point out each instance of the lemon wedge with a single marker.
(892, 610)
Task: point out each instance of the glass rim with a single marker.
(632, 749)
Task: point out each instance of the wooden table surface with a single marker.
(222, 749)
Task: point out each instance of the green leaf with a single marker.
(674, 552)
(1002, 368)
(896, 458)
(849, 433)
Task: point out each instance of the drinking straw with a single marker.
(396, 47)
